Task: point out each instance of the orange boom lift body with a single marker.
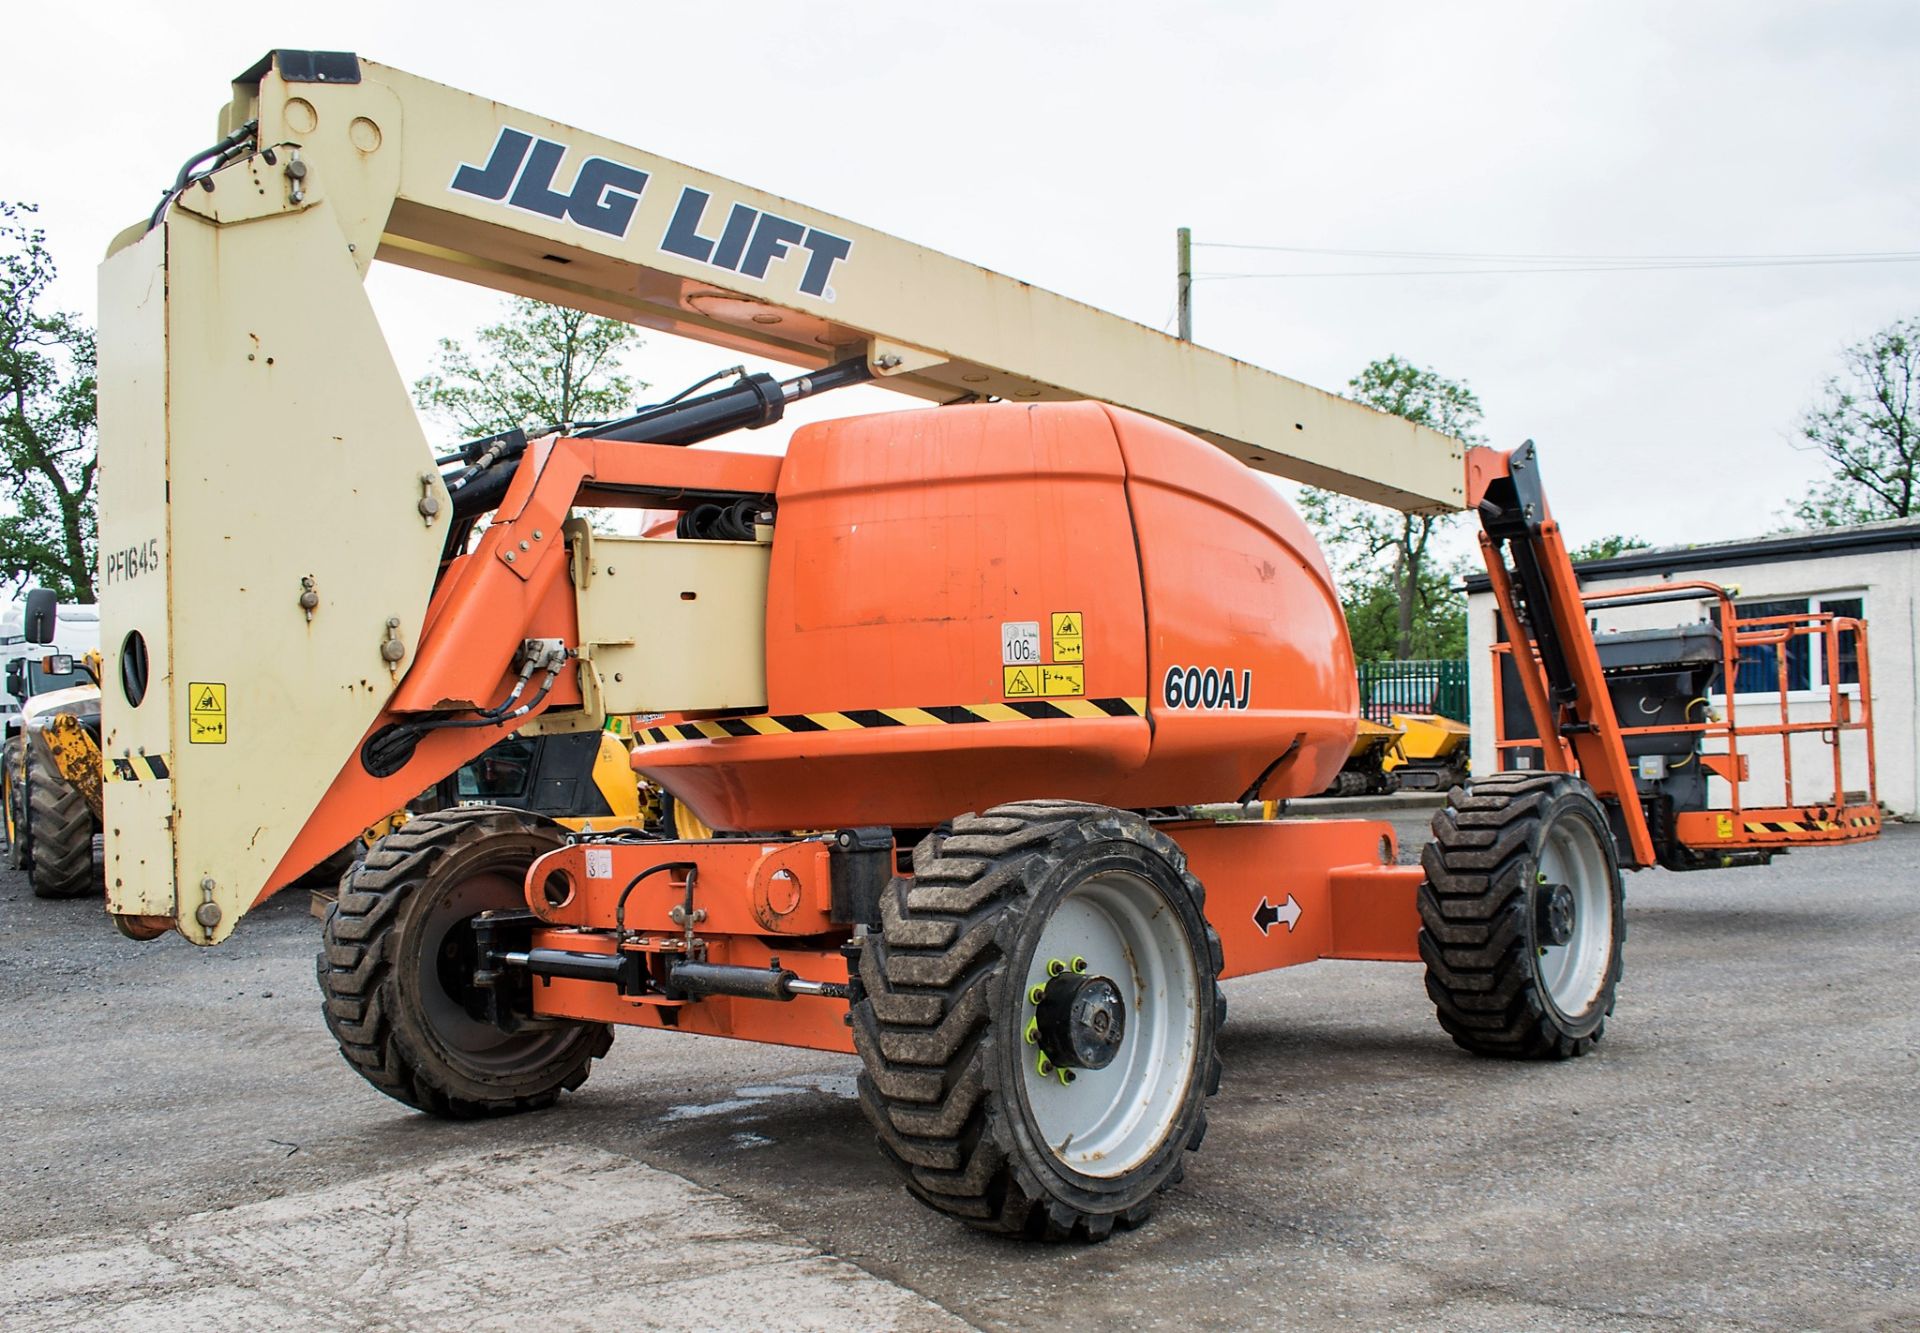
(891, 703)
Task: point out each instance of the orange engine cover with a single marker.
(970, 605)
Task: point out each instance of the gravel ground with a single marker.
(185, 1149)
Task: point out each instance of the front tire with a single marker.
(1523, 916)
(1002, 1100)
(396, 963)
(60, 828)
(13, 803)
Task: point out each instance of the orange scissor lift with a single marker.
(954, 684)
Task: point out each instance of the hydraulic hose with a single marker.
(391, 748)
(235, 145)
(750, 402)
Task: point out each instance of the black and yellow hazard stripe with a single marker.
(854, 719)
(1810, 825)
(140, 768)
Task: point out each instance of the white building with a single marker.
(1871, 571)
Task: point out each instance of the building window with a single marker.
(1854, 608)
(1759, 669)
(1806, 665)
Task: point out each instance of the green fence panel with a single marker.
(1435, 685)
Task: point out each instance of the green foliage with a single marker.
(541, 365)
(48, 450)
(1398, 386)
(1398, 604)
(1439, 624)
(1607, 547)
(1867, 427)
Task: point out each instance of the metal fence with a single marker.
(1436, 685)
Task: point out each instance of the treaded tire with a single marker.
(385, 985)
(937, 1018)
(60, 828)
(12, 765)
(1480, 917)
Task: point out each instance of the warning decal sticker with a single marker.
(1061, 674)
(1067, 640)
(1058, 680)
(207, 713)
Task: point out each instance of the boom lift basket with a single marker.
(1693, 743)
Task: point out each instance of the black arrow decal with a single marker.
(1267, 916)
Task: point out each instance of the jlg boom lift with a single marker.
(950, 681)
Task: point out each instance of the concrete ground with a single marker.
(183, 1148)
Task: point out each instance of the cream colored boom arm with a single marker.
(271, 517)
(455, 184)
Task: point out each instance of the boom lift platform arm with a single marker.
(1551, 651)
(1066, 610)
(1539, 598)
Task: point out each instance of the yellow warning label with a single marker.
(1021, 682)
(207, 713)
(1723, 826)
(1058, 680)
(1067, 627)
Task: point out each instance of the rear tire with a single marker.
(60, 826)
(1522, 916)
(944, 1008)
(396, 950)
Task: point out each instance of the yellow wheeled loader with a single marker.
(1432, 754)
(50, 768)
(581, 781)
(1368, 770)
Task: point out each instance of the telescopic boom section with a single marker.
(1541, 608)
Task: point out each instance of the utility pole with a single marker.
(1186, 284)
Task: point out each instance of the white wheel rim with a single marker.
(1574, 973)
(1108, 1121)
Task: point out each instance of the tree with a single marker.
(1383, 558)
(1372, 608)
(48, 449)
(540, 365)
(1867, 427)
(1606, 548)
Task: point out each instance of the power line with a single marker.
(1492, 257)
(1892, 258)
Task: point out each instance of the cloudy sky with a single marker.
(1063, 144)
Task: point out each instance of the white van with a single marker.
(76, 632)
